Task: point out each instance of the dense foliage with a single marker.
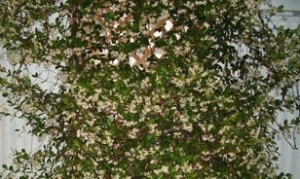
(148, 89)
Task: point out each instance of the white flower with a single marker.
(210, 126)
(159, 53)
(206, 25)
(208, 137)
(165, 14)
(104, 52)
(187, 168)
(116, 24)
(151, 43)
(132, 61)
(164, 169)
(96, 62)
(129, 123)
(187, 47)
(188, 127)
(177, 36)
(230, 156)
(121, 57)
(78, 133)
(184, 119)
(133, 133)
(115, 62)
(168, 25)
(186, 28)
(158, 34)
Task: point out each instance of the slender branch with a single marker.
(298, 118)
(283, 135)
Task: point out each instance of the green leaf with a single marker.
(4, 166)
(35, 75)
(109, 16)
(11, 168)
(280, 8)
(76, 142)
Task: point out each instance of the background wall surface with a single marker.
(290, 158)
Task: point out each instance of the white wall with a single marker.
(290, 158)
(10, 139)
(289, 5)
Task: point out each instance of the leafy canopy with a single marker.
(147, 89)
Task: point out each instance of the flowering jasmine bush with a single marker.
(148, 89)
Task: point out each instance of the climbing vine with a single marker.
(148, 89)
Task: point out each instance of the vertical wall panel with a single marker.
(289, 160)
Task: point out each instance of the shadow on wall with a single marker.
(13, 130)
(290, 158)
